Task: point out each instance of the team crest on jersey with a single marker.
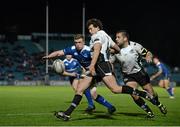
(66, 64)
(75, 53)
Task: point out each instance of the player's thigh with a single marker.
(94, 92)
(111, 83)
(133, 84)
(83, 85)
(166, 83)
(161, 83)
(75, 84)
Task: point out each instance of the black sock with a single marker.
(155, 100)
(76, 100)
(127, 89)
(141, 103)
(130, 90)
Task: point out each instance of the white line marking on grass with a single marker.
(29, 114)
(26, 114)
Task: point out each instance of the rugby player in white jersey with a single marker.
(133, 73)
(100, 66)
(81, 53)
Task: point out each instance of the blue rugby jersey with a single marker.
(72, 66)
(165, 71)
(83, 56)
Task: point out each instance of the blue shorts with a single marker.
(163, 77)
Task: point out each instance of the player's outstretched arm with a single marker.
(65, 73)
(54, 54)
(97, 48)
(156, 75)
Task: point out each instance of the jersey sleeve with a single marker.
(139, 48)
(97, 38)
(159, 67)
(68, 51)
(112, 43)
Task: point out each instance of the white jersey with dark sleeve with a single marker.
(129, 58)
(106, 42)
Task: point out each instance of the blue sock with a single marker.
(88, 97)
(169, 90)
(102, 101)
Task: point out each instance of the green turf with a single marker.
(34, 106)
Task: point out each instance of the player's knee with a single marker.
(161, 85)
(114, 90)
(79, 91)
(94, 96)
(94, 93)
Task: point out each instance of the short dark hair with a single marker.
(78, 36)
(95, 22)
(124, 33)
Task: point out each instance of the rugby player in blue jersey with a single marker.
(163, 76)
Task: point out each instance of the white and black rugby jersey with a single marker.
(129, 57)
(106, 41)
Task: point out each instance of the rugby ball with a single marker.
(58, 66)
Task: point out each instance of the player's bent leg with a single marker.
(76, 100)
(161, 84)
(111, 83)
(93, 92)
(139, 101)
(142, 104)
(169, 89)
(166, 83)
(91, 105)
(87, 93)
(83, 85)
(148, 87)
(101, 100)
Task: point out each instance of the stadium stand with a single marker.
(21, 60)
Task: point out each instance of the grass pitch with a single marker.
(34, 106)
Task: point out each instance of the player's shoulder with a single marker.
(73, 47)
(73, 59)
(98, 34)
(87, 48)
(133, 43)
(65, 60)
(70, 48)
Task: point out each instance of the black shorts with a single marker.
(71, 79)
(141, 77)
(103, 69)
